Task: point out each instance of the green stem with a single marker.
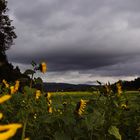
(31, 81)
(23, 131)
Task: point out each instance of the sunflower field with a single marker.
(29, 113)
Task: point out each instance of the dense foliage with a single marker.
(104, 115)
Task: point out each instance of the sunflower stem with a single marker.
(24, 128)
(31, 82)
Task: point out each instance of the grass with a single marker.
(131, 95)
(58, 98)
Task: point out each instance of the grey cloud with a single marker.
(100, 37)
(66, 60)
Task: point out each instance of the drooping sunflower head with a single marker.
(43, 67)
(48, 95)
(119, 89)
(80, 108)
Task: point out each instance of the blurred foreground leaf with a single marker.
(113, 130)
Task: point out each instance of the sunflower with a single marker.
(5, 83)
(50, 110)
(119, 88)
(49, 102)
(37, 94)
(80, 108)
(43, 67)
(16, 87)
(12, 89)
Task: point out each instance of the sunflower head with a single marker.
(43, 67)
(50, 110)
(37, 94)
(17, 85)
(80, 108)
(12, 89)
(48, 95)
(119, 89)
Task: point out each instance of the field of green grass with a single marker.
(133, 97)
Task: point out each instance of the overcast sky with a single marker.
(81, 40)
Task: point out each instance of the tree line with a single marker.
(7, 36)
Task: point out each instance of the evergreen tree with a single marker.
(7, 34)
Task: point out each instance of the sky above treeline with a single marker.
(81, 40)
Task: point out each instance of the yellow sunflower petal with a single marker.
(1, 115)
(8, 130)
(38, 94)
(27, 139)
(12, 89)
(4, 98)
(43, 67)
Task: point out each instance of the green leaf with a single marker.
(33, 63)
(115, 103)
(61, 136)
(113, 130)
(99, 82)
(38, 80)
(29, 72)
(23, 80)
(0, 88)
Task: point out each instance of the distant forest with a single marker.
(131, 85)
(7, 36)
(54, 87)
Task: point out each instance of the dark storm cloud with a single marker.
(100, 37)
(76, 60)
